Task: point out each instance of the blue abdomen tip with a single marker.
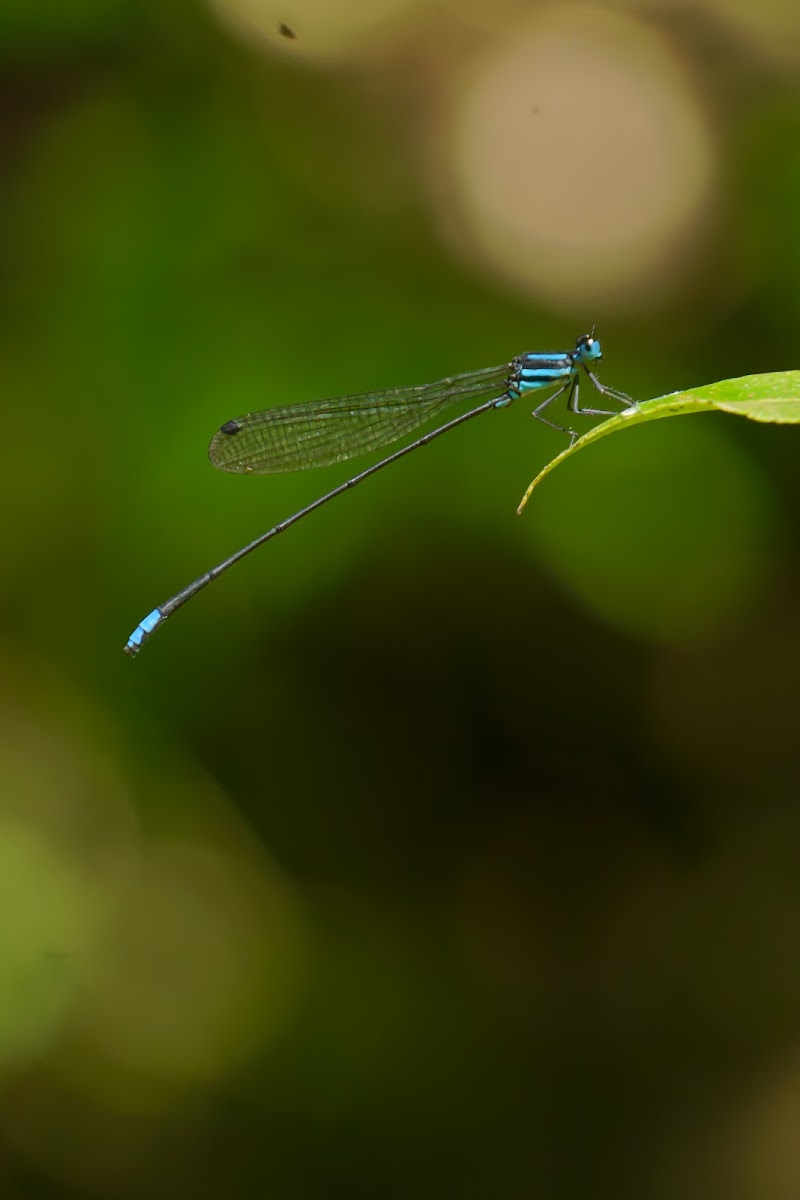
(142, 632)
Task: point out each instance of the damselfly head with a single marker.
(587, 348)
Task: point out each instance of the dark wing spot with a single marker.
(230, 427)
(286, 31)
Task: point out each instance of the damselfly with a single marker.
(331, 431)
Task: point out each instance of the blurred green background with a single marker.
(432, 851)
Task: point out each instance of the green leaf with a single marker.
(774, 397)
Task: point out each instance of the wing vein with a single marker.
(315, 434)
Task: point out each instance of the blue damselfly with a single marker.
(323, 432)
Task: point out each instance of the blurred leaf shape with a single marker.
(48, 915)
(203, 965)
(774, 397)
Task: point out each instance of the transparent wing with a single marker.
(330, 431)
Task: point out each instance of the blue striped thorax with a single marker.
(530, 372)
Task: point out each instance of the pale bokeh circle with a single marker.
(578, 159)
